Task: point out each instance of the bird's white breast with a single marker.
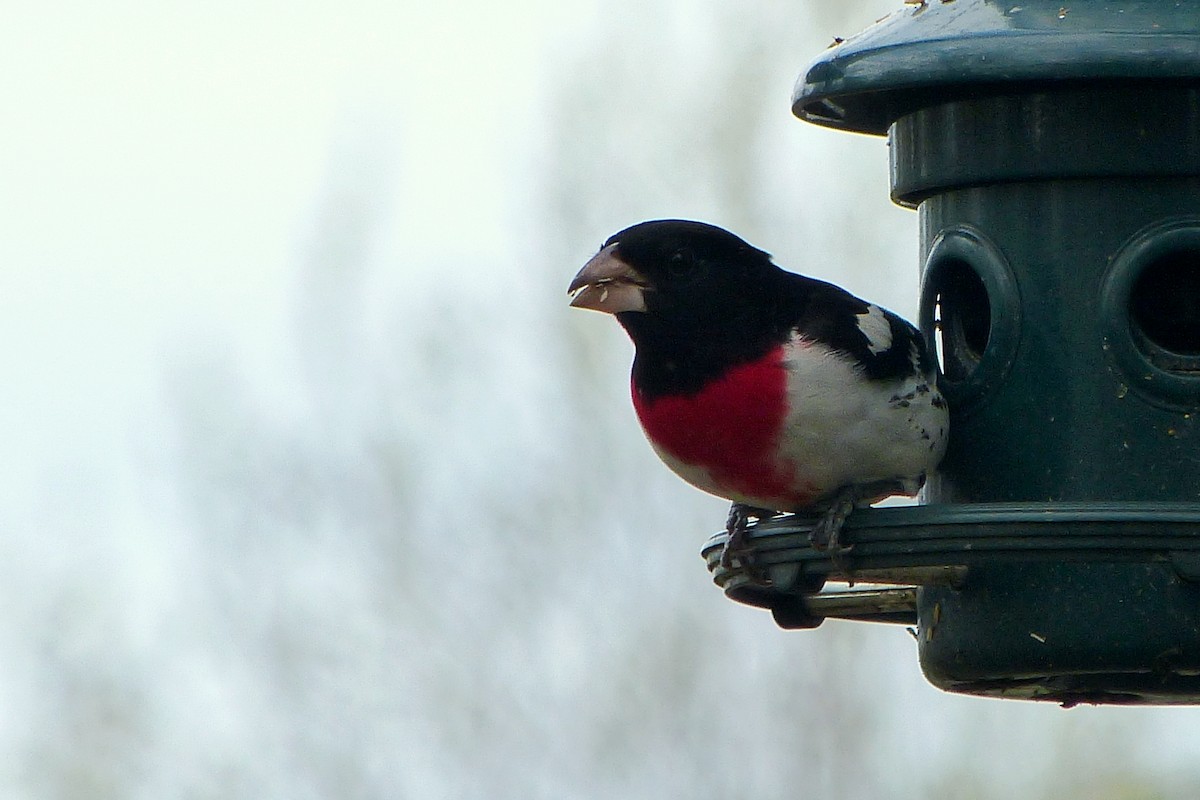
(843, 428)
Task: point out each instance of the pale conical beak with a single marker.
(608, 284)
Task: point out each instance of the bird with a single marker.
(776, 391)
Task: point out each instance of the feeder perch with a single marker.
(1052, 153)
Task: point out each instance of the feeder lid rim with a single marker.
(940, 51)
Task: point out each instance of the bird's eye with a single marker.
(679, 262)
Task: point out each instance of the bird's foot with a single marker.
(737, 544)
(825, 535)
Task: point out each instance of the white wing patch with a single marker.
(875, 326)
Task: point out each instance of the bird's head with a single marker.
(676, 272)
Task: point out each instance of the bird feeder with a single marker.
(1052, 153)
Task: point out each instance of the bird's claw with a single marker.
(737, 543)
(735, 530)
(825, 535)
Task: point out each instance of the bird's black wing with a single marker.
(884, 345)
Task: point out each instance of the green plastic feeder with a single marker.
(1052, 152)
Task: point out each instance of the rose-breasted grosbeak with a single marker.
(773, 390)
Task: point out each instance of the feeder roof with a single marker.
(942, 50)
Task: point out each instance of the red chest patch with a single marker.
(731, 430)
